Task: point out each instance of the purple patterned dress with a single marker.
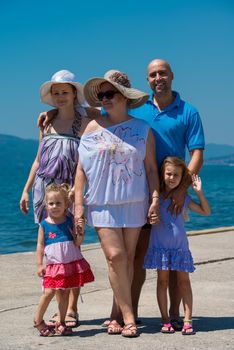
(58, 159)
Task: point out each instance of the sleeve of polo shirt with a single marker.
(195, 138)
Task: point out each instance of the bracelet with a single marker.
(155, 196)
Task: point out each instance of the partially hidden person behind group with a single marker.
(57, 155)
(168, 248)
(64, 267)
(117, 167)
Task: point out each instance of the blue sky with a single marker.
(91, 37)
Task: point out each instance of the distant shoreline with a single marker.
(91, 246)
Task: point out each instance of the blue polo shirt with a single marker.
(176, 128)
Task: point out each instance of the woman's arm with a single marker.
(79, 219)
(24, 201)
(203, 207)
(40, 252)
(153, 179)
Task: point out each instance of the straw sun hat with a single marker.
(118, 80)
(61, 77)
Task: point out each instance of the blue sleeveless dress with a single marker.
(168, 247)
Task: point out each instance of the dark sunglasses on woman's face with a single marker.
(109, 94)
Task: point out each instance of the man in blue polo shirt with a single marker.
(176, 126)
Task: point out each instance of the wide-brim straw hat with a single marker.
(118, 80)
(61, 77)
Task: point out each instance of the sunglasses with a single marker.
(109, 94)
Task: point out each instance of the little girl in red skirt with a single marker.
(65, 267)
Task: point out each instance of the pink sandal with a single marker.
(167, 328)
(44, 329)
(188, 328)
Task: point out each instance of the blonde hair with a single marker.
(177, 162)
(63, 189)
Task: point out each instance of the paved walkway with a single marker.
(213, 289)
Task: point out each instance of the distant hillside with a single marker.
(14, 150)
(16, 153)
(217, 151)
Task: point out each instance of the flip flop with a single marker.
(188, 330)
(167, 328)
(130, 331)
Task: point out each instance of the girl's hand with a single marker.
(153, 213)
(24, 203)
(40, 270)
(196, 183)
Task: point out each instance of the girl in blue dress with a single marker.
(168, 247)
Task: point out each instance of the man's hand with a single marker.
(45, 118)
(177, 197)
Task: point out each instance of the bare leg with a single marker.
(175, 296)
(139, 272)
(44, 301)
(39, 323)
(186, 292)
(62, 296)
(119, 248)
(162, 286)
(72, 313)
(187, 298)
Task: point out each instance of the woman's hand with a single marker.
(79, 224)
(24, 203)
(153, 213)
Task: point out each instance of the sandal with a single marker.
(105, 324)
(130, 331)
(114, 328)
(177, 324)
(44, 329)
(167, 328)
(188, 328)
(52, 321)
(62, 329)
(72, 320)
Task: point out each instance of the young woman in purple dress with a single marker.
(57, 155)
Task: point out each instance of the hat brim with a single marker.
(45, 92)
(136, 98)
